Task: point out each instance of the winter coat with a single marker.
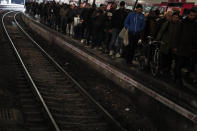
(134, 22)
(108, 24)
(70, 15)
(86, 16)
(169, 34)
(63, 12)
(118, 18)
(188, 38)
(150, 26)
(174, 30)
(98, 19)
(79, 11)
(158, 25)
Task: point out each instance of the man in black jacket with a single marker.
(70, 17)
(98, 19)
(86, 23)
(118, 18)
(187, 50)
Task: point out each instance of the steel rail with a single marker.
(28, 75)
(79, 87)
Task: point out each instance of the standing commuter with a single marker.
(168, 34)
(187, 50)
(63, 19)
(70, 18)
(79, 28)
(118, 18)
(107, 32)
(86, 23)
(98, 18)
(135, 24)
(57, 16)
(160, 21)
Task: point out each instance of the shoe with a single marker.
(117, 55)
(82, 40)
(111, 52)
(95, 48)
(100, 48)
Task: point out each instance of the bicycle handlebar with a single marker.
(158, 42)
(150, 37)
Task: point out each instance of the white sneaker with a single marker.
(82, 40)
(111, 52)
(95, 48)
(117, 55)
(100, 48)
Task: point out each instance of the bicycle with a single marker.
(142, 54)
(155, 58)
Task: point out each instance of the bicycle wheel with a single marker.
(142, 62)
(154, 63)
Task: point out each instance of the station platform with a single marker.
(128, 77)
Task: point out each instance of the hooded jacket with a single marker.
(134, 22)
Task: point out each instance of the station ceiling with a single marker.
(129, 1)
(142, 1)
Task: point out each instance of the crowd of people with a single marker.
(99, 27)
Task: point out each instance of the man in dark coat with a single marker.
(118, 18)
(98, 19)
(169, 35)
(187, 50)
(160, 21)
(86, 23)
(70, 17)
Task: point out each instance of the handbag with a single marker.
(124, 35)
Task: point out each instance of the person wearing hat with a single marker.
(135, 24)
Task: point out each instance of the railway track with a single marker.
(67, 105)
(19, 109)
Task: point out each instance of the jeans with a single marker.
(119, 45)
(114, 35)
(107, 38)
